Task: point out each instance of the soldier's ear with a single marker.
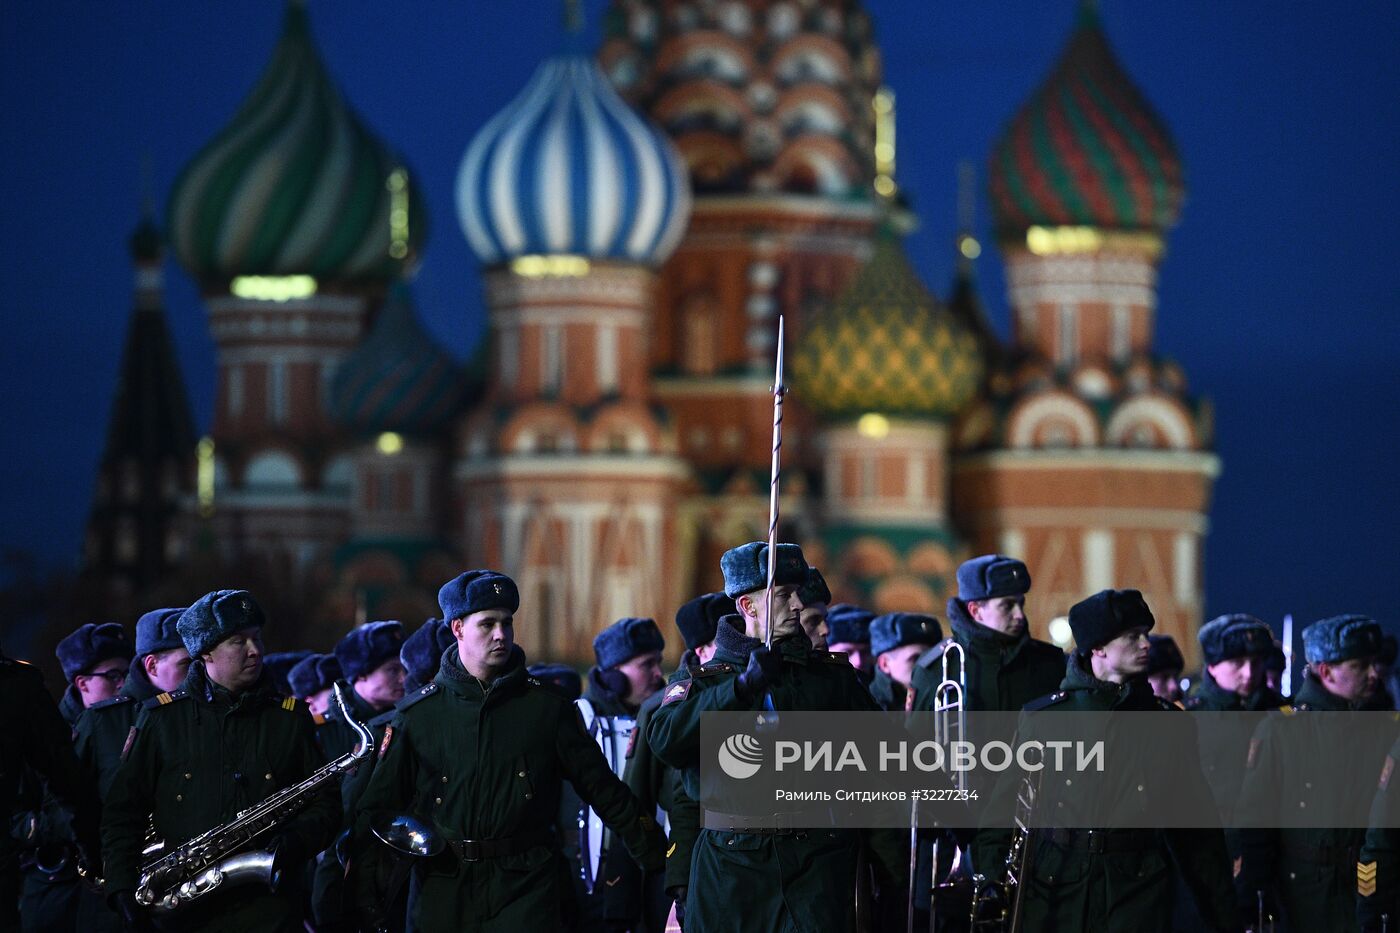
(457, 626)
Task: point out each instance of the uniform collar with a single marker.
(1134, 694)
(974, 634)
(1315, 696)
(138, 686)
(453, 676)
(734, 646)
(71, 706)
(605, 701)
(198, 685)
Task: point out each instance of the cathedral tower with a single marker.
(568, 474)
(1089, 459)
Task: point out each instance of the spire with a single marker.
(150, 437)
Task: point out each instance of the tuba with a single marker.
(231, 854)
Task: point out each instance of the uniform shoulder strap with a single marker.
(113, 701)
(711, 669)
(1050, 699)
(932, 656)
(417, 696)
(165, 699)
(831, 657)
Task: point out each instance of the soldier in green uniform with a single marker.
(223, 742)
(647, 776)
(1109, 880)
(898, 640)
(372, 681)
(815, 597)
(1006, 668)
(1308, 872)
(311, 680)
(1378, 865)
(848, 634)
(767, 879)
(1235, 648)
(37, 743)
(160, 666)
(1164, 667)
(95, 659)
(480, 754)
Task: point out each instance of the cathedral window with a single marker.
(235, 391)
(607, 359)
(277, 392)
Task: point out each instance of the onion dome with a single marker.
(398, 379)
(569, 168)
(295, 184)
(886, 345)
(759, 95)
(1087, 149)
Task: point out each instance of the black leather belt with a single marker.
(776, 824)
(1101, 841)
(474, 850)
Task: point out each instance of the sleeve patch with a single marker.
(130, 739)
(1386, 771)
(677, 692)
(1365, 878)
(384, 743)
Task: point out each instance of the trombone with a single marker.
(949, 726)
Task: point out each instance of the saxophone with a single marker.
(230, 854)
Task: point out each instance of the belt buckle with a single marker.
(471, 850)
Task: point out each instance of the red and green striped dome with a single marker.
(1087, 149)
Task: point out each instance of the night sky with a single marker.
(1276, 294)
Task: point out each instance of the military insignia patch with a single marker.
(1386, 770)
(1253, 753)
(671, 851)
(1365, 878)
(130, 738)
(676, 692)
(384, 743)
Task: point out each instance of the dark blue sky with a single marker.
(1277, 295)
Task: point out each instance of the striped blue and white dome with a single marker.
(568, 168)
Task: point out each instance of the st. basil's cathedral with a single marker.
(642, 216)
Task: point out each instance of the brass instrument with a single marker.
(229, 854)
(997, 906)
(949, 726)
(410, 840)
